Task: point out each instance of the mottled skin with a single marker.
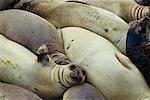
(141, 54)
(12, 92)
(20, 67)
(83, 92)
(32, 31)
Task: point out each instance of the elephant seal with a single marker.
(140, 55)
(20, 67)
(16, 25)
(107, 69)
(83, 92)
(12, 92)
(143, 2)
(129, 10)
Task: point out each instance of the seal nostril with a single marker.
(72, 67)
(83, 72)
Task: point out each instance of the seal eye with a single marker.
(72, 67)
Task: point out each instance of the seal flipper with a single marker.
(125, 61)
(42, 54)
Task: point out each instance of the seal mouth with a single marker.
(77, 74)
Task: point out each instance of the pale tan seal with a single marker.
(107, 69)
(12, 92)
(20, 67)
(83, 92)
(129, 10)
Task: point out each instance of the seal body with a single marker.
(19, 66)
(12, 92)
(16, 25)
(107, 69)
(129, 10)
(83, 92)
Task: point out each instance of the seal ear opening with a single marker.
(125, 61)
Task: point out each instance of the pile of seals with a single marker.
(75, 49)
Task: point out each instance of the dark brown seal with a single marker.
(139, 49)
(32, 31)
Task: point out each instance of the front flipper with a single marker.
(42, 54)
(125, 61)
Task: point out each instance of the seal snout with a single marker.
(77, 74)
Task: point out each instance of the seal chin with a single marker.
(77, 74)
